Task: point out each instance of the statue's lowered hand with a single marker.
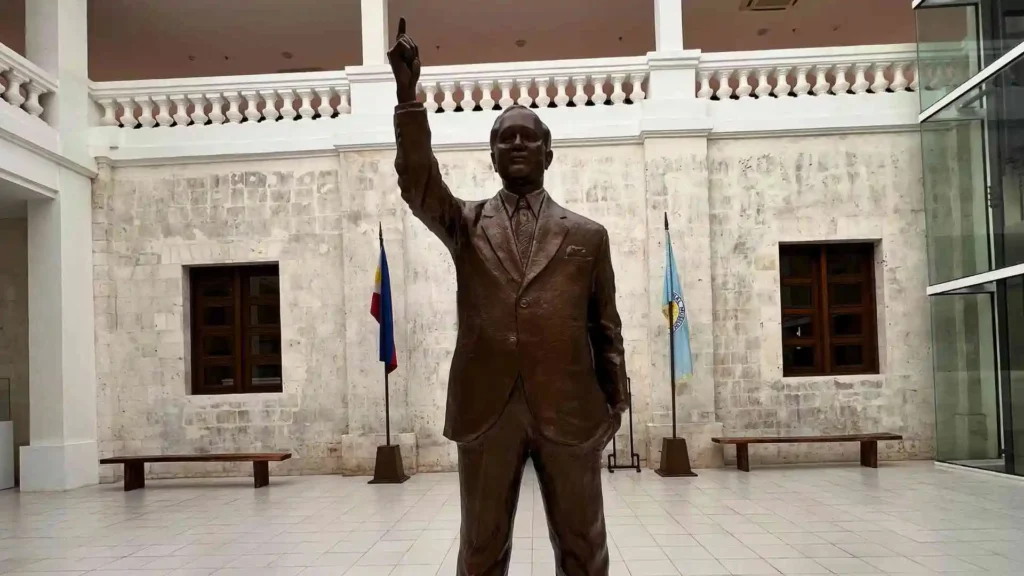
(404, 57)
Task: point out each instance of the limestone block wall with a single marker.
(14, 324)
(730, 203)
(819, 189)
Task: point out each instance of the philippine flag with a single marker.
(380, 308)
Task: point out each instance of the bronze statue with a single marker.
(539, 367)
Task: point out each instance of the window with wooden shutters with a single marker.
(828, 309)
(236, 329)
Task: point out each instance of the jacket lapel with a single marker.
(552, 226)
(498, 229)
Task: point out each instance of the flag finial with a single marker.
(666, 220)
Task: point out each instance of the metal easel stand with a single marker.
(634, 458)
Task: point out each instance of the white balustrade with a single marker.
(807, 72)
(554, 84)
(201, 101)
(23, 85)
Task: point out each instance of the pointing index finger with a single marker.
(401, 27)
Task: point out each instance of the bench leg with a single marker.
(261, 474)
(743, 457)
(869, 453)
(134, 476)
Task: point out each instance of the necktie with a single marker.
(524, 227)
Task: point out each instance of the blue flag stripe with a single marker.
(675, 308)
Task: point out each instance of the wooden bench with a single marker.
(135, 466)
(868, 445)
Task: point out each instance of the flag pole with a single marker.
(387, 394)
(671, 349)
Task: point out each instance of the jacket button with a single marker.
(513, 340)
(524, 303)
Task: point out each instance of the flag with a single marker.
(675, 311)
(380, 308)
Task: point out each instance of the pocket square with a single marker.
(576, 252)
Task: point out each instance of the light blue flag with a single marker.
(675, 311)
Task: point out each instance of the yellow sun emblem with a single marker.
(675, 311)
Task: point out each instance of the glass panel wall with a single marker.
(1015, 367)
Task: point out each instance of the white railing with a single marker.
(201, 101)
(23, 83)
(807, 72)
(556, 84)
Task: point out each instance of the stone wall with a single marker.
(14, 324)
(730, 203)
(864, 188)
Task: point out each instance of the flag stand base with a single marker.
(388, 468)
(675, 459)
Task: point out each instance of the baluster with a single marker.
(252, 105)
(861, 84)
(637, 80)
(841, 85)
(580, 97)
(270, 112)
(216, 100)
(448, 103)
(524, 92)
(597, 81)
(467, 103)
(561, 96)
(802, 85)
(198, 109)
(343, 105)
(13, 92)
(127, 112)
(487, 94)
(724, 91)
(764, 87)
(146, 117)
(744, 89)
(181, 117)
(506, 93)
(915, 69)
(325, 109)
(163, 117)
(618, 95)
(430, 92)
(782, 86)
(288, 104)
(821, 85)
(705, 92)
(234, 99)
(32, 105)
(953, 74)
(899, 79)
(881, 83)
(543, 99)
(3, 74)
(306, 108)
(109, 118)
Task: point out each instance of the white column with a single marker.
(62, 361)
(375, 31)
(668, 25)
(56, 39)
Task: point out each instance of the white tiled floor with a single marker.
(900, 519)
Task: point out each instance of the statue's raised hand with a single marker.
(404, 57)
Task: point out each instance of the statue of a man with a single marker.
(539, 367)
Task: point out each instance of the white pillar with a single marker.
(668, 25)
(62, 361)
(375, 31)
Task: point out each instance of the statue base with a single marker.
(675, 459)
(389, 469)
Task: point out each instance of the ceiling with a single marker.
(136, 39)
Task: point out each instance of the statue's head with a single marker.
(520, 146)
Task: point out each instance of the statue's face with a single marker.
(519, 152)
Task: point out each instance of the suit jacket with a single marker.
(553, 322)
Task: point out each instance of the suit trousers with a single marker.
(490, 473)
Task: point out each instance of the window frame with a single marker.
(822, 312)
(240, 330)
